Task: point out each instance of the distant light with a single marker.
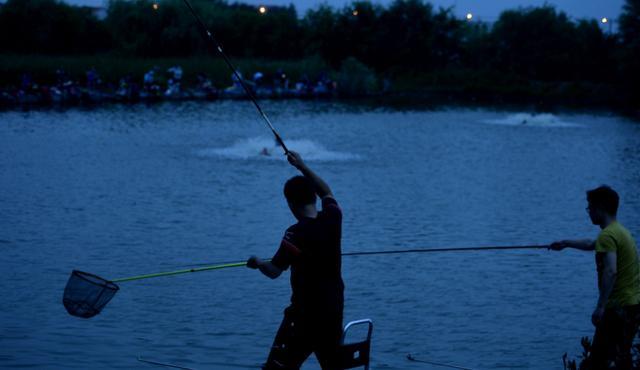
(355, 12)
(604, 20)
(262, 9)
(469, 16)
(155, 6)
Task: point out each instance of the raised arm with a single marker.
(321, 187)
(584, 245)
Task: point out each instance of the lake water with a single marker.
(126, 190)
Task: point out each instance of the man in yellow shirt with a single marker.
(617, 314)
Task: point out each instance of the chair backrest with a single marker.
(355, 354)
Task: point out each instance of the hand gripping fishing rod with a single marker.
(237, 75)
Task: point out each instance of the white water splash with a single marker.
(264, 148)
(534, 120)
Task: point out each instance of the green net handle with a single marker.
(178, 272)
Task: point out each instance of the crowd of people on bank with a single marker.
(159, 85)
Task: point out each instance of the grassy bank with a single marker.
(495, 87)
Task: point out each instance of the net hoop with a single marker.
(86, 294)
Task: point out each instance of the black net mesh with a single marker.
(85, 294)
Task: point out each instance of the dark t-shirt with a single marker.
(312, 249)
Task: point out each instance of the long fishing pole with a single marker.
(218, 266)
(223, 364)
(163, 364)
(427, 250)
(434, 250)
(86, 294)
(237, 75)
(413, 359)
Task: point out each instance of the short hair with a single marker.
(299, 191)
(604, 198)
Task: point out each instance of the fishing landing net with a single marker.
(86, 294)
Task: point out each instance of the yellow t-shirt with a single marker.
(626, 290)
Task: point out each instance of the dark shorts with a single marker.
(613, 338)
(299, 336)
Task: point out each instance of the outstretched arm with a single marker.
(584, 245)
(266, 267)
(321, 187)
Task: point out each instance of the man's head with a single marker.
(300, 195)
(603, 204)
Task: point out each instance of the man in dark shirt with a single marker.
(311, 247)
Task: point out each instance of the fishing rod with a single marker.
(413, 359)
(223, 364)
(426, 250)
(237, 75)
(453, 249)
(85, 294)
(150, 362)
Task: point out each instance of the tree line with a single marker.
(405, 37)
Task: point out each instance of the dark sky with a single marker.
(483, 9)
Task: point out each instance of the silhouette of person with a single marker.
(311, 247)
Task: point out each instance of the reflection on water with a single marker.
(129, 190)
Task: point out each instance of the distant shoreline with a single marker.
(457, 87)
(393, 100)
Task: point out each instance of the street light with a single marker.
(606, 21)
(155, 6)
(469, 16)
(262, 9)
(355, 13)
